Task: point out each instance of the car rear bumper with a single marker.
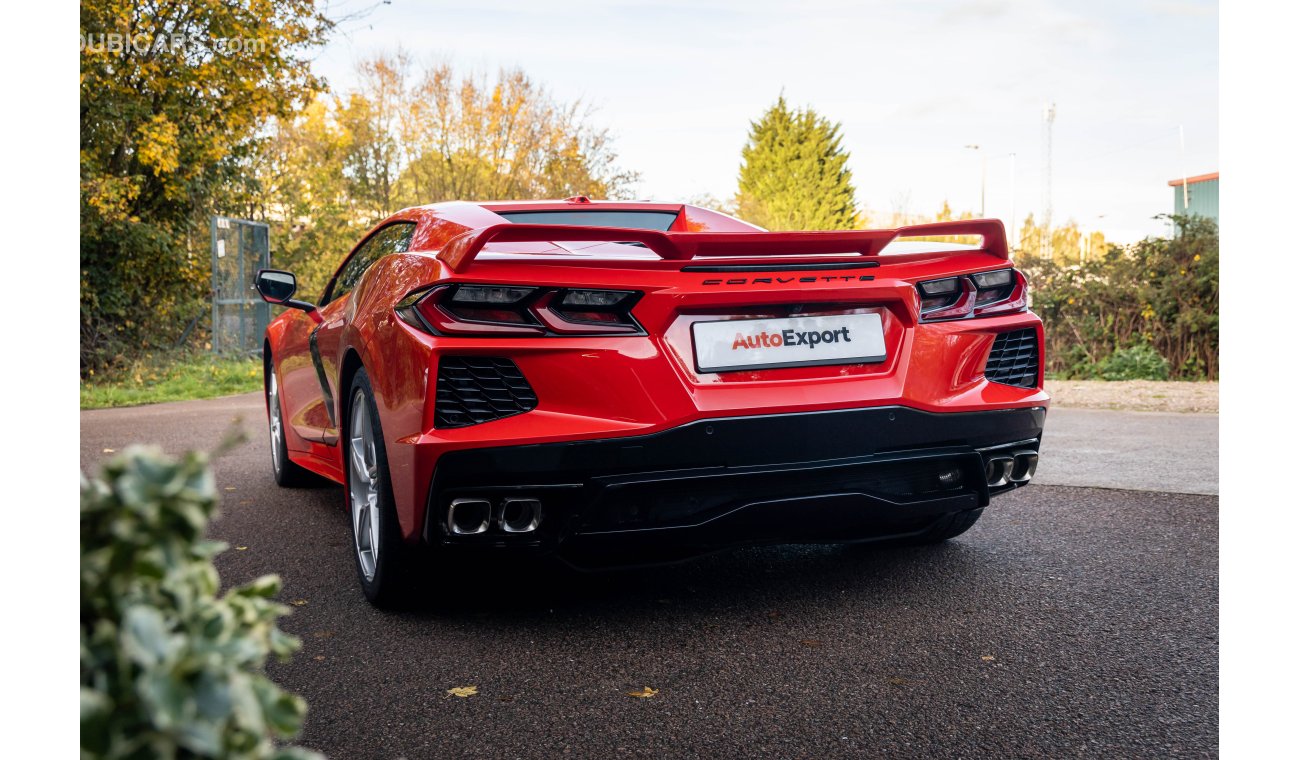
(836, 476)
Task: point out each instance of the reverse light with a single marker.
(992, 281)
(489, 295)
(596, 299)
(949, 286)
(1001, 291)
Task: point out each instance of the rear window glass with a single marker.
(640, 220)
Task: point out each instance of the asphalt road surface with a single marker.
(1068, 622)
(1143, 451)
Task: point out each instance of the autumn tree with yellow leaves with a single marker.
(190, 109)
(407, 136)
(173, 95)
(1066, 244)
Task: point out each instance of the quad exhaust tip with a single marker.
(472, 516)
(998, 471)
(1026, 464)
(1017, 467)
(520, 515)
(469, 517)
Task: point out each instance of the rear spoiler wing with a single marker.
(461, 251)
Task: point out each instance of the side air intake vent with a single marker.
(1014, 359)
(475, 389)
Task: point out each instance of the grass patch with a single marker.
(172, 378)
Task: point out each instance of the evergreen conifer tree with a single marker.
(794, 173)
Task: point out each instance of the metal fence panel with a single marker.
(239, 316)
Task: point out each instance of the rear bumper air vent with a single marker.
(476, 389)
(1014, 359)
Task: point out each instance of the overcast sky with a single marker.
(911, 83)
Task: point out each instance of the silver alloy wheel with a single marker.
(273, 400)
(363, 482)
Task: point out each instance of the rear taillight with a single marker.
(517, 310)
(1002, 291)
(950, 298)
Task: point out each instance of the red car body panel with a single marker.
(601, 387)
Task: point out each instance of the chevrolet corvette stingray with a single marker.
(609, 382)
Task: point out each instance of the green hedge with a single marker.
(1145, 311)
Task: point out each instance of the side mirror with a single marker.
(277, 287)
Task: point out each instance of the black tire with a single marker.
(948, 526)
(390, 581)
(287, 473)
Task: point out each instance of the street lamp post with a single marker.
(984, 174)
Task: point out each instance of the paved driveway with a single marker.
(1145, 451)
(1068, 622)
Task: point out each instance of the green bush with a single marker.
(1137, 362)
(1161, 292)
(168, 668)
(139, 291)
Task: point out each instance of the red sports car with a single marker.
(612, 382)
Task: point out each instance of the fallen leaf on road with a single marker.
(319, 658)
(645, 693)
(811, 642)
(896, 681)
(324, 634)
(109, 451)
(507, 699)
(299, 602)
(462, 691)
(987, 658)
(230, 488)
(775, 615)
(245, 502)
(241, 548)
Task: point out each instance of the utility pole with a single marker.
(984, 174)
(1049, 118)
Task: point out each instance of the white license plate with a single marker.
(741, 344)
